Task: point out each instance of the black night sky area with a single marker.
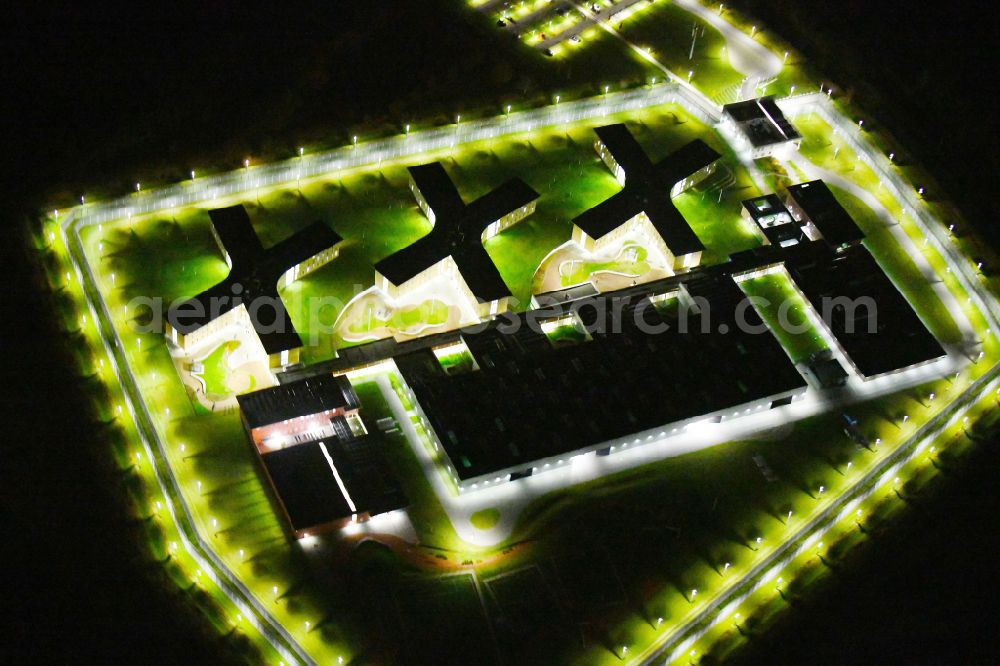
(96, 96)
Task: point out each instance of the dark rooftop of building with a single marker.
(774, 220)
(308, 490)
(531, 400)
(761, 121)
(312, 395)
(647, 189)
(898, 339)
(826, 369)
(253, 279)
(817, 203)
(457, 231)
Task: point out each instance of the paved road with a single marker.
(675, 642)
(747, 56)
(205, 191)
(200, 550)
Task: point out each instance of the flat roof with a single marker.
(305, 485)
(647, 189)
(899, 338)
(312, 395)
(773, 219)
(531, 400)
(457, 231)
(819, 204)
(253, 279)
(322, 482)
(761, 121)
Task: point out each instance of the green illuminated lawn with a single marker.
(430, 312)
(718, 222)
(900, 268)
(485, 519)
(613, 555)
(374, 211)
(784, 312)
(666, 29)
(583, 269)
(216, 370)
(834, 155)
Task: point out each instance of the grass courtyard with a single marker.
(589, 569)
(174, 256)
(784, 311)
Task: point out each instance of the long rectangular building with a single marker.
(563, 386)
(868, 317)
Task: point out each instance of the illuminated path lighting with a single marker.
(511, 497)
(673, 644)
(243, 183)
